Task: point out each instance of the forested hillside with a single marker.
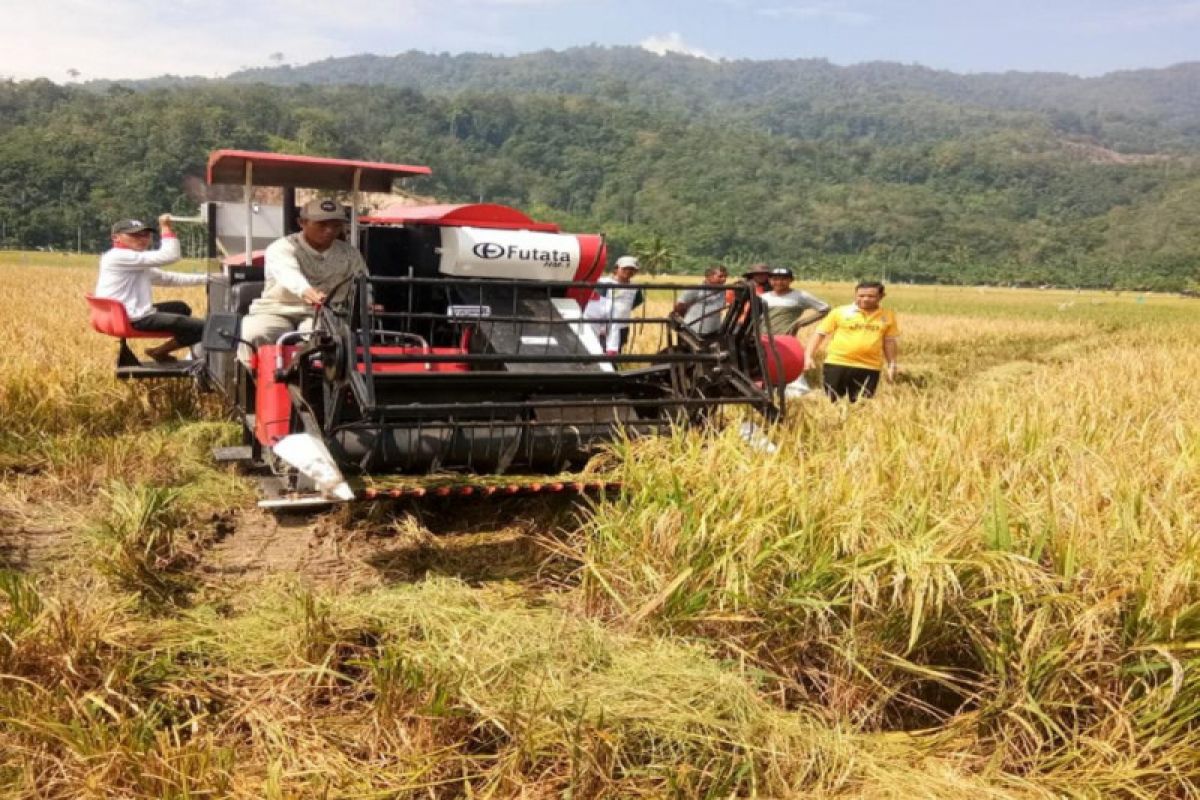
(1140, 111)
(878, 169)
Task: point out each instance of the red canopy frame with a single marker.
(251, 168)
(307, 172)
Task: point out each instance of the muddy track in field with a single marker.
(507, 540)
(24, 548)
(485, 540)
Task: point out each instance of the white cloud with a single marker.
(827, 12)
(673, 43)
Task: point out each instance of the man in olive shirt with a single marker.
(784, 314)
(861, 338)
(303, 270)
(785, 305)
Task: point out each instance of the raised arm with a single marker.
(167, 252)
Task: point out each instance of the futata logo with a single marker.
(551, 258)
(489, 250)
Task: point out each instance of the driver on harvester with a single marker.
(302, 271)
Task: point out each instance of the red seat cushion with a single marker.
(108, 317)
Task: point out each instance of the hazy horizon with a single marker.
(78, 40)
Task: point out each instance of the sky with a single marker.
(80, 40)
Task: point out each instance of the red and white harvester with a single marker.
(463, 355)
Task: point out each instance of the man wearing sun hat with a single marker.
(758, 275)
(302, 271)
(130, 268)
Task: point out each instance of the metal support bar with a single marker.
(537, 358)
(354, 207)
(249, 192)
(522, 405)
(290, 224)
(416, 315)
(210, 238)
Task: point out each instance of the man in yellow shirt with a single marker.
(862, 338)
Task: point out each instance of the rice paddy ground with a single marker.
(984, 581)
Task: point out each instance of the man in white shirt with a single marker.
(130, 268)
(303, 270)
(614, 301)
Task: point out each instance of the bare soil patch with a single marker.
(24, 548)
(481, 541)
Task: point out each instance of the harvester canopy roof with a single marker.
(481, 215)
(307, 172)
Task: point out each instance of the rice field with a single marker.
(984, 581)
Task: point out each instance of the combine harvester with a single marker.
(462, 364)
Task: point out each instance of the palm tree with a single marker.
(654, 256)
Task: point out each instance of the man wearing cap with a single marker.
(614, 300)
(862, 338)
(130, 268)
(303, 270)
(785, 305)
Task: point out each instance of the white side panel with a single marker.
(569, 310)
(525, 255)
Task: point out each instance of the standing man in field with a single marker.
(703, 309)
(130, 268)
(757, 276)
(863, 339)
(760, 276)
(614, 301)
(785, 306)
(303, 270)
(784, 311)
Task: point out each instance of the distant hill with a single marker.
(868, 170)
(1140, 111)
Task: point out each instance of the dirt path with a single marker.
(490, 540)
(477, 541)
(24, 548)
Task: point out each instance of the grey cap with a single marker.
(321, 209)
(130, 226)
(781, 272)
(628, 262)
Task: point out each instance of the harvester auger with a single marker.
(464, 355)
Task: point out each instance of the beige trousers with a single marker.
(260, 328)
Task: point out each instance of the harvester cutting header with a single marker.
(463, 351)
